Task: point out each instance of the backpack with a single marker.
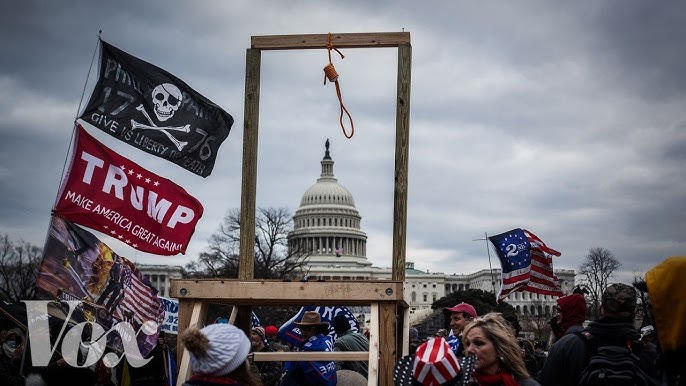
(611, 364)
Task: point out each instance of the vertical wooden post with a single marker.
(402, 147)
(246, 263)
(388, 354)
(246, 266)
(185, 310)
(373, 370)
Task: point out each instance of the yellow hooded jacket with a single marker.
(667, 290)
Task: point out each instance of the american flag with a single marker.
(543, 280)
(254, 319)
(526, 264)
(140, 302)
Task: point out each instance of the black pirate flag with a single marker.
(151, 109)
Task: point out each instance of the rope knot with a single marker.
(331, 74)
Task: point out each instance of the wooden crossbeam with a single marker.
(271, 292)
(285, 356)
(339, 40)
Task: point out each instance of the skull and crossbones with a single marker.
(167, 99)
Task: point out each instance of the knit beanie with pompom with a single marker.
(217, 349)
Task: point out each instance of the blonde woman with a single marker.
(499, 359)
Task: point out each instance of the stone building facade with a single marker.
(328, 223)
(159, 276)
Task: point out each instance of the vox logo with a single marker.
(71, 339)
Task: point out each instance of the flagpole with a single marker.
(488, 251)
(165, 363)
(88, 76)
(490, 266)
(71, 141)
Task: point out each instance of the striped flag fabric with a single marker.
(435, 363)
(140, 301)
(537, 243)
(526, 264)
(542, 280)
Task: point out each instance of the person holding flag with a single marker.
(314, 338)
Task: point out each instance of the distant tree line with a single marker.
(19, 264)
(273, 258)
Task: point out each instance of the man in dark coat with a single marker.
(571, 314)
(349, 340)
(567, 357)
(269, 372)
(414, 341)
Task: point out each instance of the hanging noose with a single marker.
(331, 74)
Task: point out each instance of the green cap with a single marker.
(619, 300)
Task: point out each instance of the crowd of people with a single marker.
(220, 354)
(476, 350)
(489, 350)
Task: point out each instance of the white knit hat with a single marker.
(217, 349)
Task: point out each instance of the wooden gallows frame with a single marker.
(389, 311)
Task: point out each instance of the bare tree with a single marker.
(596, 271)
(644, 307)
(19, 263)
(273, 258)
(537, 324)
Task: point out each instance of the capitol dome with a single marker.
(327, 224)
(327, 191)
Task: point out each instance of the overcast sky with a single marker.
(564, 118)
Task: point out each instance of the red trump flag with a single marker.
(111, 194)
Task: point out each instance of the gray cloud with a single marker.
(565, 119)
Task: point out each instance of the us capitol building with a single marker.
(328, 224)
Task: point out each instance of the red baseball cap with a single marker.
(462, 307)
(271, 330)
